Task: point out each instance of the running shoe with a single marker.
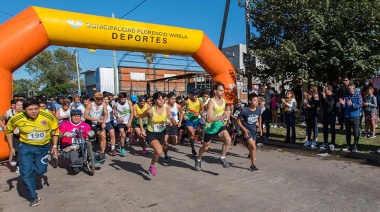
(331, 147)
(372, 135)
(198, 164)
(346, 148)
(354, 149)
(113, 152)
(313, 144)
(253, 168)
(378, 151)
(194, 152)
(323, 146)
(167, 159)
(34, 202)
(144, 151)
(122, 151)
(364, 134)
(152, 170)
(102, 157)
(308, 143)
(224, 162)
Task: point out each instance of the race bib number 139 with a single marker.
(36, 136)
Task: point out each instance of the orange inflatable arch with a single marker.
(34, 29)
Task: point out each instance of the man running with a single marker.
(214, 126)
(193, 109)
(137, 110)
(93, 113)
(247, 120)
(171, 136)
(36, 127)
(122, 112)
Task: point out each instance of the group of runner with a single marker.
(157, 125)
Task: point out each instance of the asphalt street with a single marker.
(290, 180)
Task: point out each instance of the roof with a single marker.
(183, 76)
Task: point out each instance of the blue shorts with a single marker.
(109, 126)
(193, 124)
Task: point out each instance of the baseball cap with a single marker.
(98, 95)
(194, 91)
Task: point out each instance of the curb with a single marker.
(355, 155)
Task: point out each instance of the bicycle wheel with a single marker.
(90, 159)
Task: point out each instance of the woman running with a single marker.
(139, 109)
(155, 134)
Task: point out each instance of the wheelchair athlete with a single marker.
(69, 138)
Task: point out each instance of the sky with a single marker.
(205, 15)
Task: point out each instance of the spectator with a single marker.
(370, 105)
(282, 95)
(343, 91)
(274, 101)
(290, 105)
(329, 101)
(311, 104)
(351, 102)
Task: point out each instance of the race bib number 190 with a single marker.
(36, 136)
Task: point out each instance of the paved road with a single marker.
(290, 180)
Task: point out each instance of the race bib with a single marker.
(158, 127)
(36, 136)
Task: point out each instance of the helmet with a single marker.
(75, 112)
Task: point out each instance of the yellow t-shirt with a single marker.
(157, 122)
(34, 132)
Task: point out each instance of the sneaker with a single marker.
(152, 170)
(253, 168)
(372, 135)
(305, 140)
(14, 160)
(144, 151)
(123, 152)
(198, 164)
(354, 149)
(308, 143)
(346, 148)
(113, 152)
(313, 144)
(331, 147)
(34, 202)
(224, 162)
(194, 152)
(167, 159)
(281, 126)
(378, 151)
(323, 146)
(102, 157)
(364, 134)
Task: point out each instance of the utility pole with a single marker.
(248, 62)
(224, 23)
(78, 76)
(115, 70)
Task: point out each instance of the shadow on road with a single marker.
(130, 167)
(21, 190)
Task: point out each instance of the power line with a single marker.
(6, 13)
(133, 9)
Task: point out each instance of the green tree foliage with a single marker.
(54, 70)
(149, 58)
(319, 40)
(27, 87)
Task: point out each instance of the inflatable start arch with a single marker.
(34, 29)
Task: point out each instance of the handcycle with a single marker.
(84, 148)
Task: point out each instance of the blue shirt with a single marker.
(250, 118)
(352, 111)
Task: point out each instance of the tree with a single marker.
(50, 69)
(25, 86)
(320, 40)
(149, 58)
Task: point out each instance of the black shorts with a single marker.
(209, 137)
(97, 128)
(151, 136)
(122, 126)
(138, 126)
(171, 130)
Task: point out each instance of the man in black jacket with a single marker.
(329, 115)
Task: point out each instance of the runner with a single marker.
(171, 136)
(93, 113)
(110, 128)
(67, 133)
(155, 133)
(214, 126)
(63, 113)
(139, 109)
(202, 120)
(193, 109)
(122, 112)
(36, 127)
(248, 121)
